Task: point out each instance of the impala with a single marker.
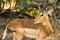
(40, 29)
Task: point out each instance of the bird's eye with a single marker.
(41, 14)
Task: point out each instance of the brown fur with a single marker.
(27, 27)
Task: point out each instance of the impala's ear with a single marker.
(50, 12)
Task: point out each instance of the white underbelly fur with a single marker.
(28, 32)
(31, 32)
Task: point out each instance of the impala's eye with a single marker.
(41, 14)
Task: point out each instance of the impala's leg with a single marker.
(38, 38)
(18, 36)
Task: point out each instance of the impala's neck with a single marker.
(47, 25)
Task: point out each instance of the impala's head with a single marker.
(42, 16)
(44, 19)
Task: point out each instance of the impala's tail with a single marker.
(5, 33)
